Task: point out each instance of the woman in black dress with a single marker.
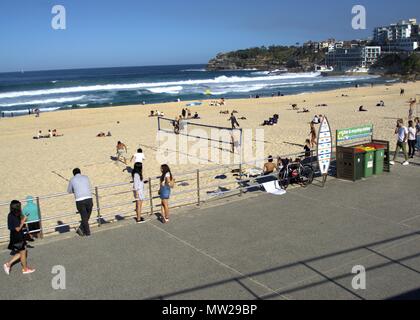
(16, 222)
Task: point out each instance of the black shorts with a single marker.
(17, 247)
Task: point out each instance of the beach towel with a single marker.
(273, 187)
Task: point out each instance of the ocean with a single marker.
(92, 88)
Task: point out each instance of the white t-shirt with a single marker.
(139, 157)
(167, 175)
(402, 131)
(412, 132)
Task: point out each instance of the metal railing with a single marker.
(111, 204)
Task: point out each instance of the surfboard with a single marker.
(324, 147)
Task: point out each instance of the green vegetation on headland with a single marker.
(295, 59)
(403, 64)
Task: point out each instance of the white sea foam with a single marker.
(45, 101)
(136, 86)
(170, 90)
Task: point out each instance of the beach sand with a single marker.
(40, 167)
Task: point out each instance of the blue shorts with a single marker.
(165, 192)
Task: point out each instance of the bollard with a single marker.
(151, 196)
(98, 209)
(40, 218)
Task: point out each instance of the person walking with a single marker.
(166, 183)
(138, 190)
(233, 121)
(417, 121)
(402, 138)
(16, 222)
(80, 186)
(412, 137)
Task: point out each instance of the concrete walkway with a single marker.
(299, 246)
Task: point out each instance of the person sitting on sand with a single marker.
(152, 113)
(362, 109)
(295, 107)
(109, 134)
(381, 104)
(269, 167)
(315, 120)
(121, 151)
(50, 134)
(196, 116)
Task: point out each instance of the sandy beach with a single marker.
(40, 167)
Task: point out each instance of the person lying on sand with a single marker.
(381, 104)
(304, 111)
(362, 109)
(55, 133)
(295, 107)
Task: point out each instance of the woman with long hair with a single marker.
(138, 190)
(166, 183)
(16, 222)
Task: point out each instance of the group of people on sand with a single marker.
(156, 113)
(218, 103)
(50, 134)
(103, 135)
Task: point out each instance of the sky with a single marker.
(114, 33)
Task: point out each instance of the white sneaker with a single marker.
(28, 271)
(392, 163)
(6, 269)
(406, 163)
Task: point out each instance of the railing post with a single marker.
(98, 208)
(151, 196)
(40, 218)
(198, 188)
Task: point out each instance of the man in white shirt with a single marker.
(139, 157)
(402, 139)
(81, 188)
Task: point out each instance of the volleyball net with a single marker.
(219, 138)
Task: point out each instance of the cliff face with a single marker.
(293, 59)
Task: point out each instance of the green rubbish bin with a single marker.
(369, 162)
(378, 167)
(350, 163)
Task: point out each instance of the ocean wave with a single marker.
(194, 70)
(136, 86)
(45, 101)
(170, 90)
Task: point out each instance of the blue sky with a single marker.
(155, 32)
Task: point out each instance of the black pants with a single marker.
(411, 148)
(85, 209)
